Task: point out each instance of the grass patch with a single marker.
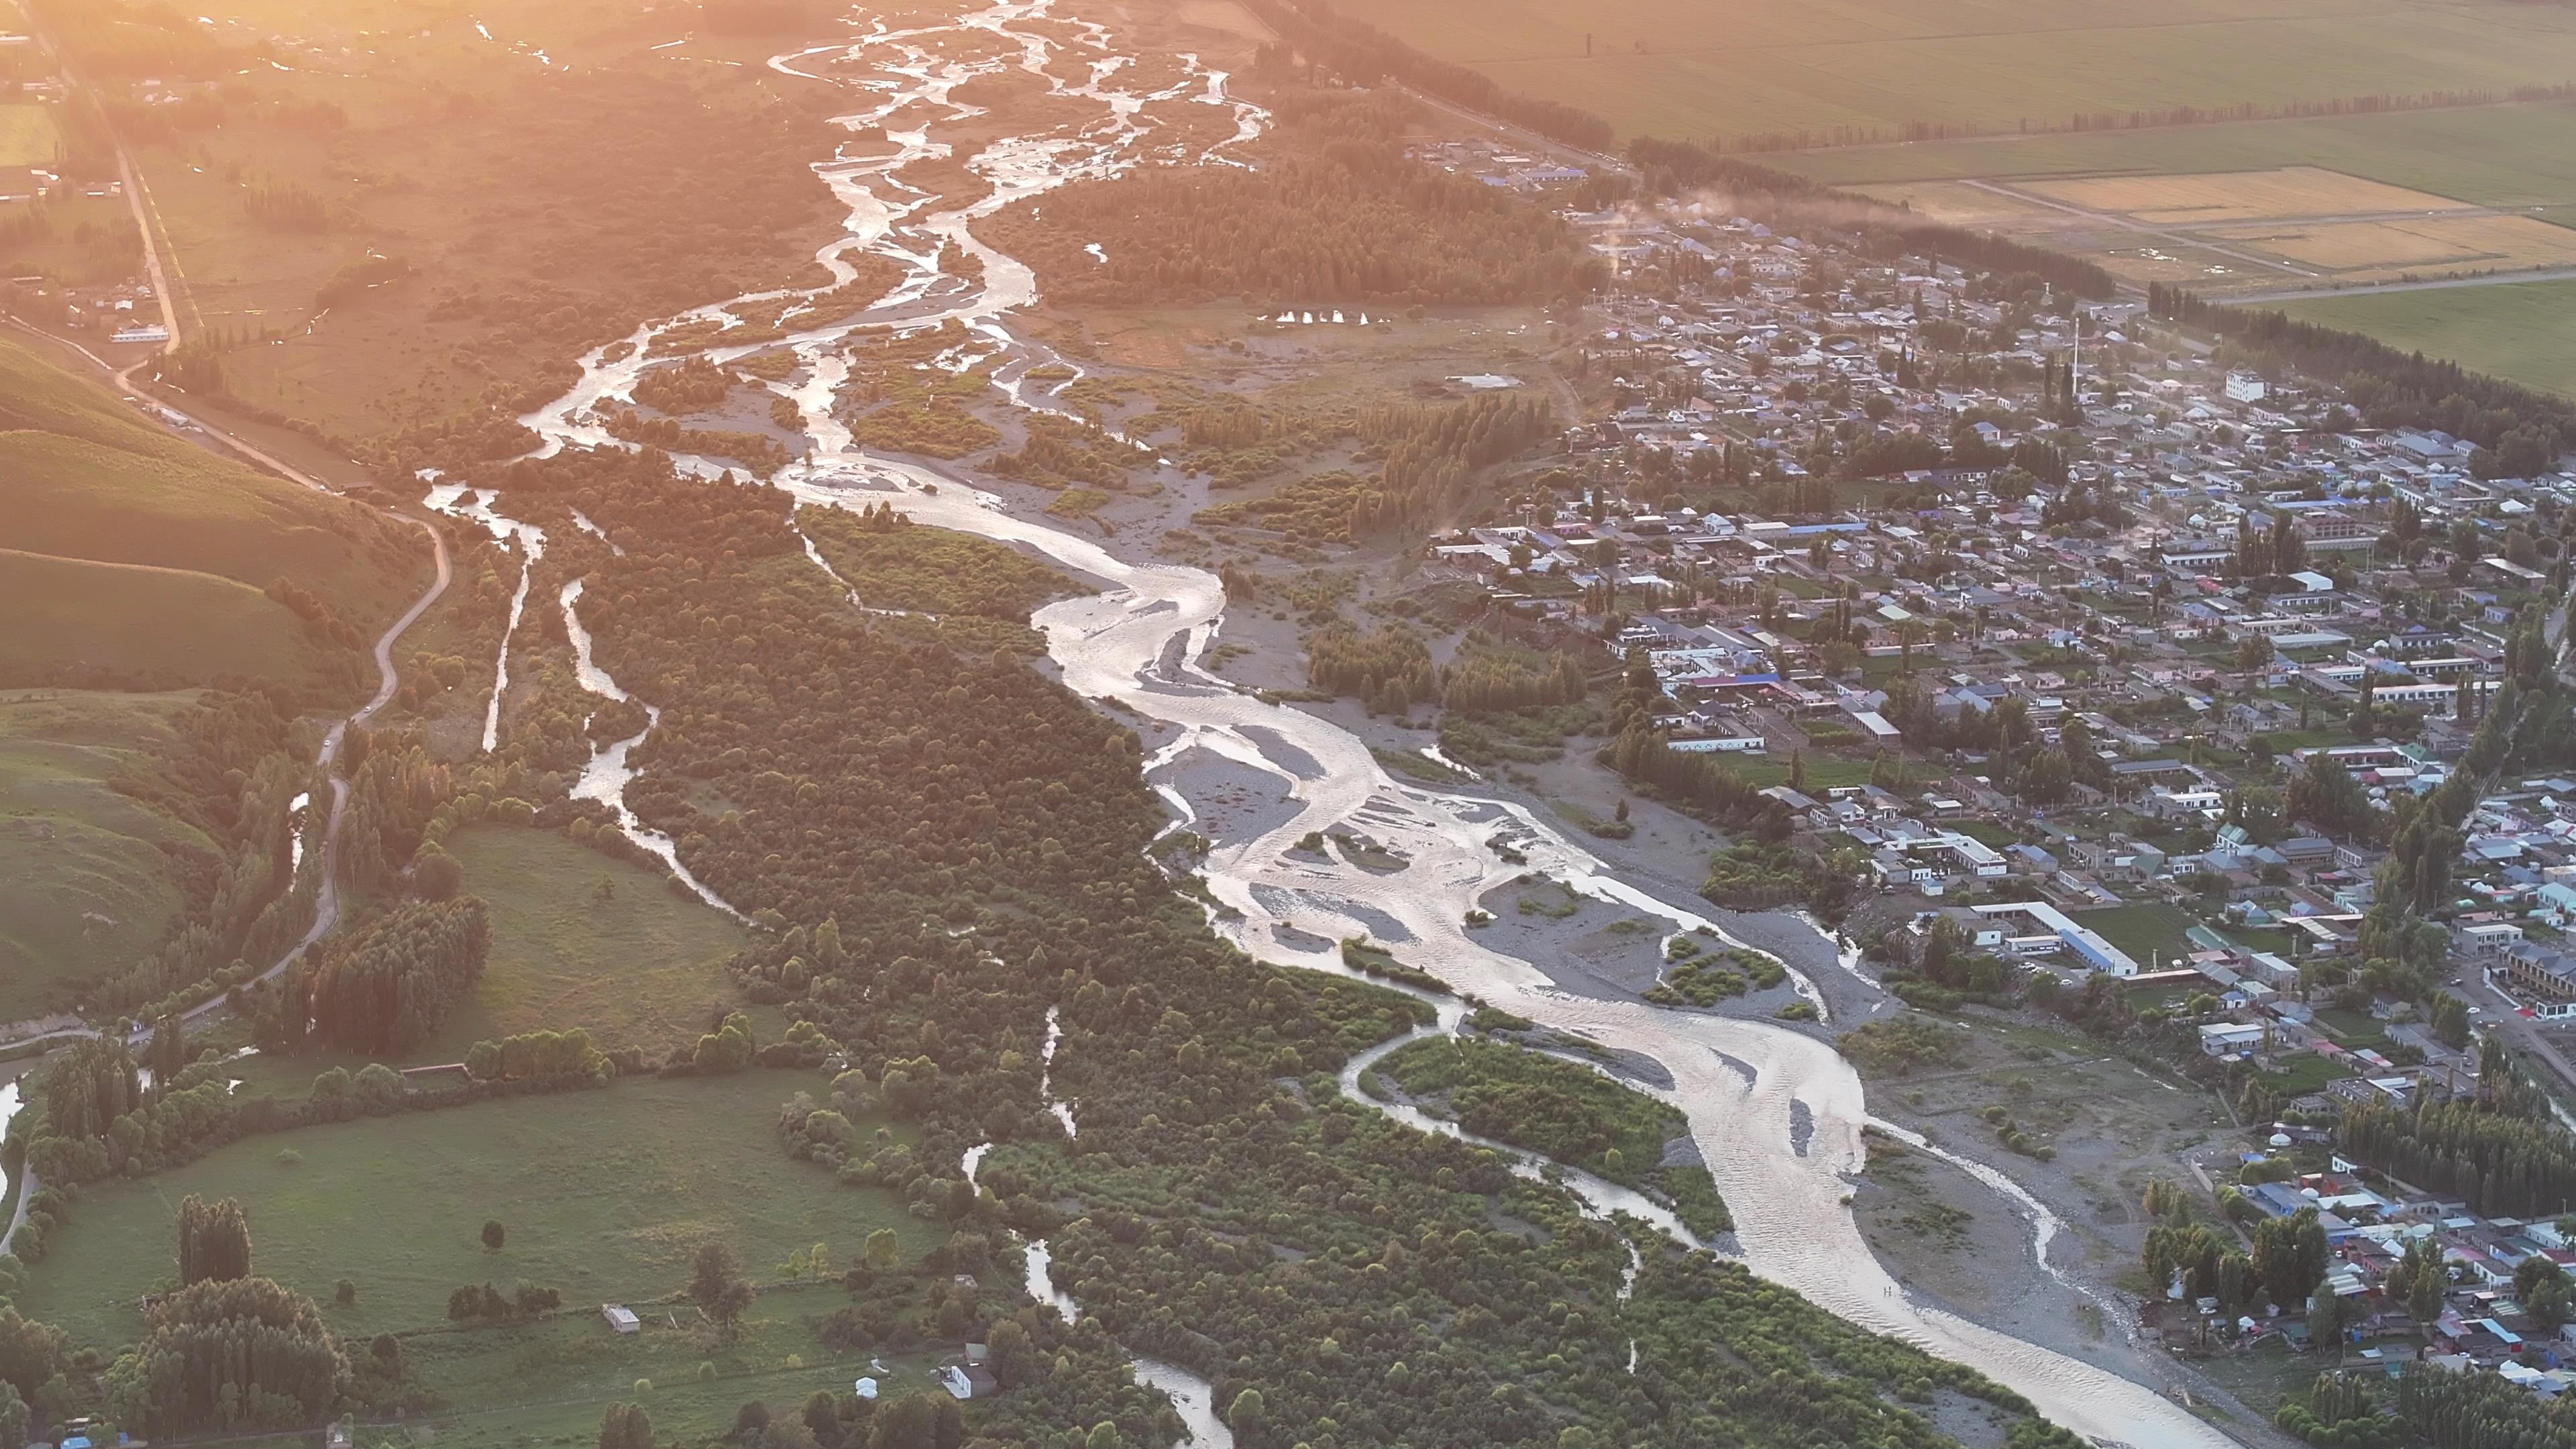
(1904, 1045)
(27, 135)
(86, 881)
(2152, 933)
(580, 939)
(1560, 1110)
(1987, 832)
(605, 1195)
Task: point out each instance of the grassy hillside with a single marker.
(85, 873)
(144, 557)
(72, 621)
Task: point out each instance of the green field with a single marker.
(2490, 156)
(639, 965)
(27, 136)
(605, 1194)
(2524, 332)
(85, 883)
(72, 620)
(1690, 68)
(2152, 933)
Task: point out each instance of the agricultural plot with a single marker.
(1719, 68)
(2289, 191)
(2524, 332)
(2272, 228)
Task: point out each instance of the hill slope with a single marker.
(90, 492)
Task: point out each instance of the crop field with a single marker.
(2238, 195)
(1693, 68)
(2294, 227)
(2507, 156)
(605, 1195)
(580, 939)
(2524, 331)
(85, 885)
(27, 136)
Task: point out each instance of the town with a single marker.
(2114, 651)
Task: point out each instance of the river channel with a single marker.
(1777, 1114)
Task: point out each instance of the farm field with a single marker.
(27, 135)
(2278, 228)
(581, 939)
(2524, 331)
(86, 884)
(1694, 70)
(605, 1195)
(2507, 156)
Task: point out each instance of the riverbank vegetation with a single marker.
(938, 847)
(1566, 1112)
(1337, 214)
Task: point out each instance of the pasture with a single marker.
(86, 884)
(1694, 69)
(581, 939)
(2524, 332)
(605, 1196)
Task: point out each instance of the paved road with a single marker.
(327, 901)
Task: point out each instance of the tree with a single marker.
(494, 1235)
(435, 874)
(1104, 1435)
(196, 1368)
(884, 1250)
(714, 1270)
(214, 1241)
(1015, 1359)
(625, 1426)
(1246, 1415)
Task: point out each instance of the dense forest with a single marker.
(1337, 214)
